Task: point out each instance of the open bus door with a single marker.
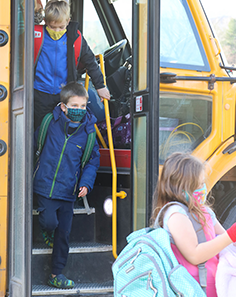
(21, 149)
(145, 108)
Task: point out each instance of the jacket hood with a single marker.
(88, 120)
(72, 30)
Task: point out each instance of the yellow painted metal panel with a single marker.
(4, 12)
(3, 244)
(5, 18)
(220, 164)
(228, 109)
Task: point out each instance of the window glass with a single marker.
(180, 45)
(185, 121)
(18, 210)
(139, 172)
(19, 40)
(124, 11)
(93, 31)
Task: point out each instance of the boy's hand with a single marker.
(103, 93)
(83, 191)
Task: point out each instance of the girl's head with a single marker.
(182, 174)
(57, 12)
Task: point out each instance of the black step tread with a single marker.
(95, 288)
(84, 247)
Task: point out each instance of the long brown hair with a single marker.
(179, 178)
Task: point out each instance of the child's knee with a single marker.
(47, 221)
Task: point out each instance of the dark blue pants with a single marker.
(57, 215)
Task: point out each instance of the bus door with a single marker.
(21, 149)
(145, 108)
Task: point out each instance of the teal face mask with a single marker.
(75, 114)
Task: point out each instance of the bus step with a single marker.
(76, 211)
(75, 248)
(106, 289)
(83, 227)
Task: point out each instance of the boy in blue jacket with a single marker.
(57, 176)
(60, 51)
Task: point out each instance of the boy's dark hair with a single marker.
(73, 89)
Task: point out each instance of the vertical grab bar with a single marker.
(115, 194)
(86, 85)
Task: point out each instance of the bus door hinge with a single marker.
(211, 82)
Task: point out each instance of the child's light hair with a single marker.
(180, 176)
(73, 89)
(57, 11)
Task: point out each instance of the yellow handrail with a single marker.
(115, 194)
(86, 85)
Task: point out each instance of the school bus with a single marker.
(167, 73)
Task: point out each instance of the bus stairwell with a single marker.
(93, 238)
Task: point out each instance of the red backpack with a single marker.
(38, 43)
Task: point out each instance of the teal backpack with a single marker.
(147, 267)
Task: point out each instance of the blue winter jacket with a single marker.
(57, 173)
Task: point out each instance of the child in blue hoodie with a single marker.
(60, 53)
(58, 178)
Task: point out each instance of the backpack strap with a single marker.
(88, 148)
(77, 48)
(85, 158)
(202, 271)
(38, 41)
(42, 134)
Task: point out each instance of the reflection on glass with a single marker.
(139, 172)
(185, 121)
(18, 200)
(140, 45)
(180, 45)
(125, 16)
(93, 31)
(19, 39)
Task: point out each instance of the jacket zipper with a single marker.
(54, 89)
(59, 163)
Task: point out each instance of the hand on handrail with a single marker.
(104, 93)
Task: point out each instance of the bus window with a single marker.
(93, 31)
(125, 16)
(185, 121)
(180, 44)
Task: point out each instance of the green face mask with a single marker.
(55, 35)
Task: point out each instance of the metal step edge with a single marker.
(76, 211)
(44, 290)
(75, 249)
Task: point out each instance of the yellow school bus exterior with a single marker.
(180, 97)
(4, 136)
(216, 88)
